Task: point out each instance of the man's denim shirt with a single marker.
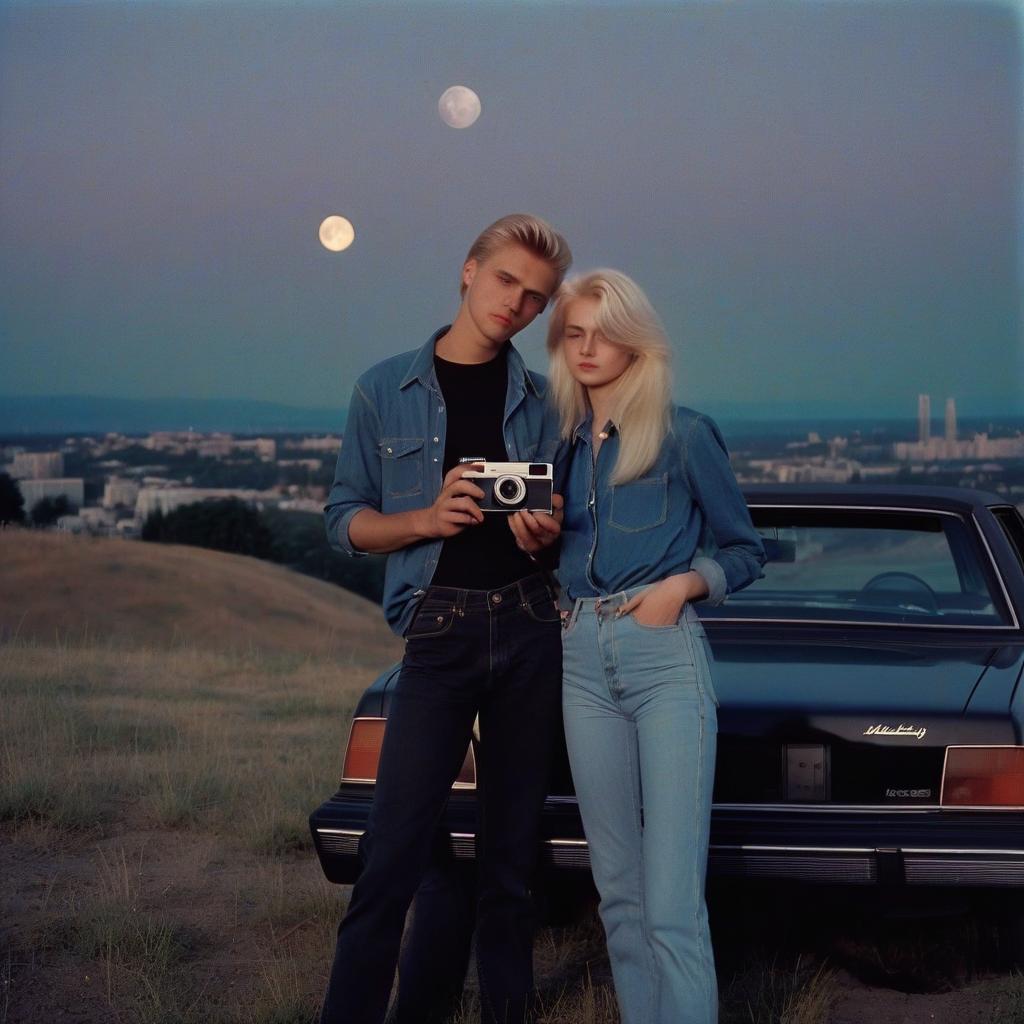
(627, 535)
(392, 455)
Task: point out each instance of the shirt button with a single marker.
(437, 440)
(435, 458)
(496, 598)
(389, 451)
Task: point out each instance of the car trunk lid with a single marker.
(850, 721)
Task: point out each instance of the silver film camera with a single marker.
(511, 486)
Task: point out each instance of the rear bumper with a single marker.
(919, 846)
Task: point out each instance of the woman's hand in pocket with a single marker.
(662, 603)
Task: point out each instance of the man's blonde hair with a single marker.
(641, 406)
(532, 233)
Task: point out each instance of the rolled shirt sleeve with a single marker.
(739, 553)
(357, 477)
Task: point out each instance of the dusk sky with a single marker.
(823, 200)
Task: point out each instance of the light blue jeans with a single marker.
(640, 724)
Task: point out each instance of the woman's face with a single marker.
(592, 359)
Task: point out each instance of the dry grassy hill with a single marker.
(83, 588)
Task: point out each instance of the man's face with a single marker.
(506, 291)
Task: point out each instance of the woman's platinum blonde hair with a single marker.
(641, 406)
(533, 233)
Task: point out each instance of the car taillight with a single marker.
(362, 756)
(363, 753)
(983, 777)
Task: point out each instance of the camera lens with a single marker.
(510, 490)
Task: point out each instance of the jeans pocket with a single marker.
(430, 622)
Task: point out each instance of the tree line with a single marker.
(294, 539)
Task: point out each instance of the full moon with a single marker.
(336, 233)
(458, 106)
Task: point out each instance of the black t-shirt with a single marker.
(482, 557)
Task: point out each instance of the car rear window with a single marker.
(870, 566)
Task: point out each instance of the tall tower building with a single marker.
(950, 420)
(924, 419)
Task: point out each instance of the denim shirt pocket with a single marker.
(639, 504)
(402, 466)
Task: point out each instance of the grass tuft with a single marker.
(765, 993)
(1008, 1005)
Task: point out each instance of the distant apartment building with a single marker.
(924, 419)
(818, 469)
(72, 488)
(316, 444)
(216, 446)
(38, 466)
(264, 448)
(118, 492)
(177, 442)
(302, 505)
(950, 420)
(167, 499)
(219, 446)
(981, 446)
(100, 522)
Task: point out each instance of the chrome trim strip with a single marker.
(752, 847)
(964, 853)
(802, 507)
(832, 808)
(855, 623)
(993, 808)
(829, 808)
(356, 833)
(798, 849)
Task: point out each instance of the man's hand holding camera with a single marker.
(456, 505)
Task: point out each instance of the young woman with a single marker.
(647, 484)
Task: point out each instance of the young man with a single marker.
(481, 627)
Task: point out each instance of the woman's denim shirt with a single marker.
(619, 536)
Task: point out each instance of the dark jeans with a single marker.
(496, 653)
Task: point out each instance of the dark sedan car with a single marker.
(871, 728)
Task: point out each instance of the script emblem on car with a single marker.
(900, 730)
